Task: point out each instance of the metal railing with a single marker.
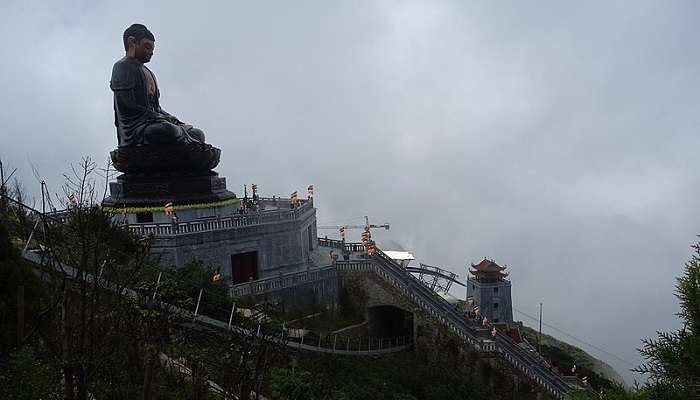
(357, 346)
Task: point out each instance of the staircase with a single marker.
(443, 312)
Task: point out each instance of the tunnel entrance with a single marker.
(389, 322)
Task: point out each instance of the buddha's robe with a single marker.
(137, 113)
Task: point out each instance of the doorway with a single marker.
(244, 266)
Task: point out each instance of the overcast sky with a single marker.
(559, 139)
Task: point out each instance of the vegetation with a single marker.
(565, 356)
(673, 358)
(399, 376)
(176, 207)
(99, 325)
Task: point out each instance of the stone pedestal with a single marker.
(156, 190)
(156, 175)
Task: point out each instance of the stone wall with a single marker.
(493, 299)
(282, 247)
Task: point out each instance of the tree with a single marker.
(673, 358)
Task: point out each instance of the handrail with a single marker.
(400, 343)
(265, 285)
(358, 346)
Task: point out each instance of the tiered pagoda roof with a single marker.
(488, 270)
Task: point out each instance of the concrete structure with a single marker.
(275, 239)
(488, 289)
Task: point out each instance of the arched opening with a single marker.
(389, 322)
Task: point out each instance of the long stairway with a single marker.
(445, 313)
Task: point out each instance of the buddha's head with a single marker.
(139, 43)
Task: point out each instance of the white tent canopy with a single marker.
(401, 257)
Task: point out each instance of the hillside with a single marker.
(564, 355)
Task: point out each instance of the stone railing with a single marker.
(446, 314)
(337, 244)
(281, 282)
(232, 222)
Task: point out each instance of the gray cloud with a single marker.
(558, 138)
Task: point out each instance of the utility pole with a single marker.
(20, 314)
(43, 198)
(2, 188)
(539, 339)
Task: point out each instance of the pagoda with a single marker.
(488, 288)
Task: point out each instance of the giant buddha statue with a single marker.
(149, 138)
(162, 158)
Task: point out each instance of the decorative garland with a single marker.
(179, 207)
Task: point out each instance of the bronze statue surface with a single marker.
(162, 159)
(141, 122)
(137, 112)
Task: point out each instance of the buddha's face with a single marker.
(141, 50)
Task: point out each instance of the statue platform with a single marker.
(158, 189)
(155, 175)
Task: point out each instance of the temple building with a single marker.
(490, 290)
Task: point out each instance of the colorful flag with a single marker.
(365, 238)
(371, 249)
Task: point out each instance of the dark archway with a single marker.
(389, 322)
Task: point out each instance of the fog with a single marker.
(557, 139)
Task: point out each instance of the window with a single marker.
(495, 290)
(495, 306)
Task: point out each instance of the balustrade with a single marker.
(234, 221)
(280, 282)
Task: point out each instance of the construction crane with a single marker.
(366, 225)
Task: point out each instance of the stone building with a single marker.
(488, 286)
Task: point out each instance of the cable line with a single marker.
(575, 338)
